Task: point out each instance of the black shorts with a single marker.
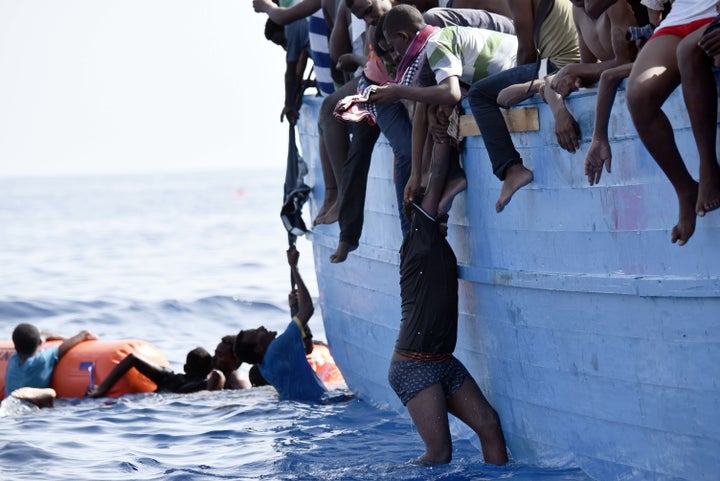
(408, 378)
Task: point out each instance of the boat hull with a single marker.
(594, 336)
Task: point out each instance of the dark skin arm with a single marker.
(446, 92)
(500, 7)
(73, 341)
(595, 8)
(523, 15)
(340, 36)
(599, 153)
(304, 301)
(292, 84)
(285, 15)
(148, 369)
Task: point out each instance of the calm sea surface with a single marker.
(179, 260)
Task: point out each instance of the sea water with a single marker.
(180, 260)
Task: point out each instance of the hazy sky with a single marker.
(128, 85)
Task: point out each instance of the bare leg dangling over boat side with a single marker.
(341, 253)
(700, 93)
(455, 183)
(517, 176)
(653, 77)
(334, 145)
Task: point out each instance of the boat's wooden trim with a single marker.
(519, 119)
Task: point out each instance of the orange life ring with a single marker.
(324, 366)
(93, 361)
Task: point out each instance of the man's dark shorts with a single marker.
(408, 378)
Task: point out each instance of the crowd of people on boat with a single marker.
(406, 85)
(279, 360)
(403, 67)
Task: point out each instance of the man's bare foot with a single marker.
(685, 227)
(341, 253)
(453, 187)
(330, 216)
(514, 94)
(330, 200)
(708, 196)
(517, 176)
(41, 397)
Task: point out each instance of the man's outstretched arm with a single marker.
(304, 301)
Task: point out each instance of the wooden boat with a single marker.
(595, 338)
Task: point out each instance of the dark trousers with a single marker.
(354, 182)
(482, 98)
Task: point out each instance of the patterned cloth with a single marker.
(320, 53)
(357, 108)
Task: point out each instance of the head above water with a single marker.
(401, 25)
(251, 344)
(27, 339)
(224, 359)
(198, 363)
(369, 10)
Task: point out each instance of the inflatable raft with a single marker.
(89, 363)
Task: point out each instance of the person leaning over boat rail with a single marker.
(198, 374)
(281, 358)
(654, 76)
(557, 46)
(394, 118)
(456, 57)
(603, 45)
(29, 367)
(423, 372)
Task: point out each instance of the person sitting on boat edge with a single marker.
(456, 57)
(603, 46)
(281, 359)
(654, 76)
(225, 361)
(29, 367)
(698, 57)
(394, 118)
(198, 376)
(423, 372)
(557, 45)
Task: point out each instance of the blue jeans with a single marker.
(482, 98)
(395, 125)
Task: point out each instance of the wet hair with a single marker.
(198, 363)
(26, 338)
(243, 350)
(275, 33)
(403, 18)
(229, 340)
